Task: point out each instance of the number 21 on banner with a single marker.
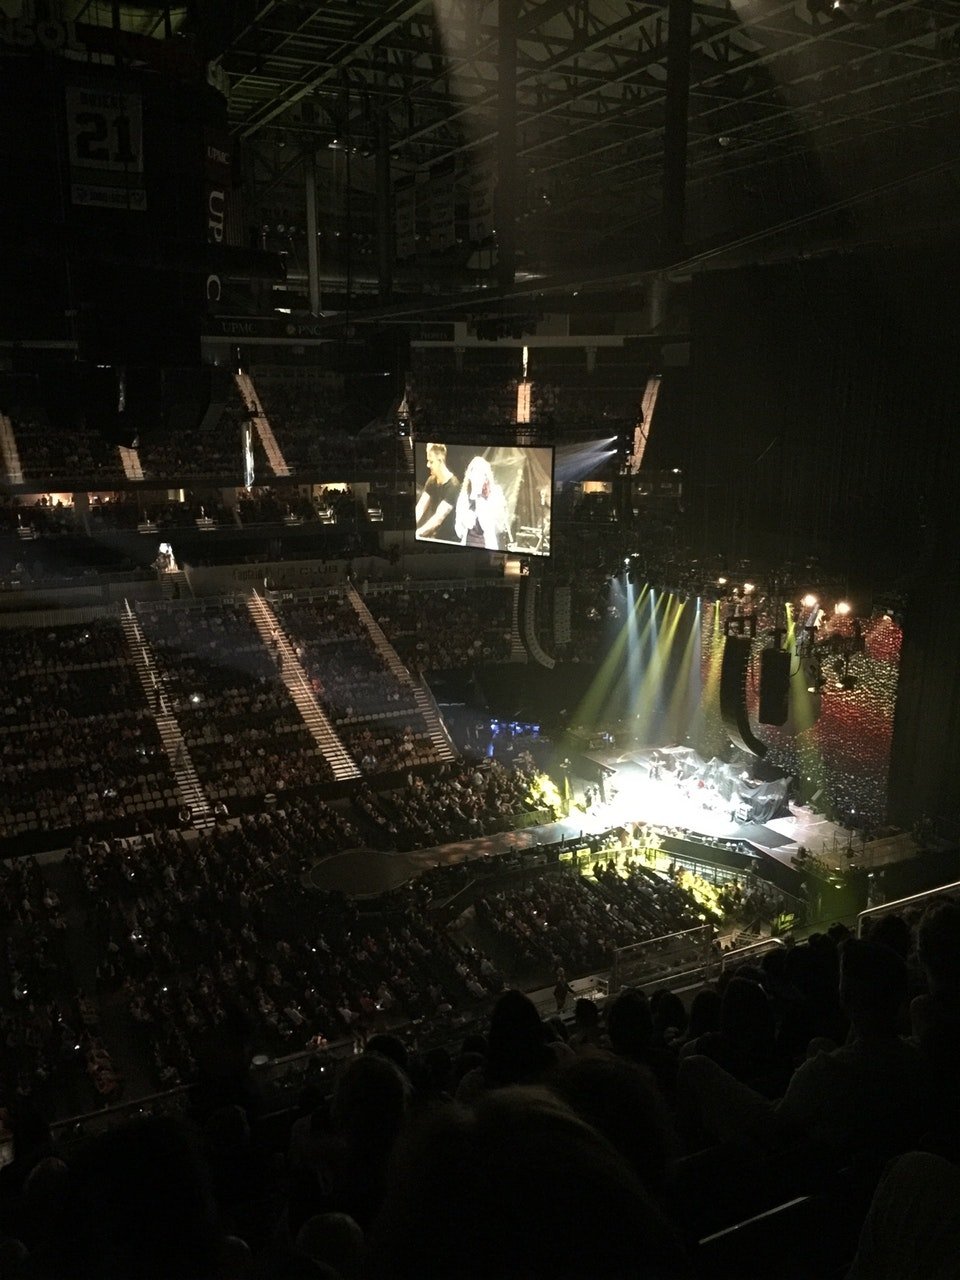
(105, 130)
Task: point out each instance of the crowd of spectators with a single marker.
(125, 511)
(347, 673)
(575, 923)
(242, 730)
(306, 421)
(40, 1039)
(441, 627)
(193, 929)
(460, 802)
(330, 505)
(323, 428)
(203, 449)
(267, 506)
(43, 541)
(388, 747)
(580, 1147)
(196, 509)
(650, 901)
(608, 397)
(79, 737)
(482, 392)
(78, 742)
(39, 517)
(64, 454)
(440, 396)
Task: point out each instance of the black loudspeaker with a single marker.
(63, 396)
(139, 406)
(100, 395)
(774, 686)
(221, 381)
(185, 397)
(733, 695)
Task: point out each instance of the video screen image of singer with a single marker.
(494, 497)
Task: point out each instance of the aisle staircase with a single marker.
(278, 464)
(292, 674)
(641, 433)
(189, 789)
(130, 461)
(439, 734)
(407, 453)
(12, 470)
(422, 696)
(174, 585)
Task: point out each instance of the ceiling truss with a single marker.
(782, 93)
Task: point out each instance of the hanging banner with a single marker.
(217, 183)
(405, 219)
(443, 207)
(483, 180)
(105, 148)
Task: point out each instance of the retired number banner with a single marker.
(105, 138)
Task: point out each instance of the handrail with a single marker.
(423, 584)
(666, 937)
(334, 1052)
(291, 666)
(442, 910)
(898, 903)
(623, 956)
(118, 1108)
(751, 948)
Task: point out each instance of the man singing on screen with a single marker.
(436, 504)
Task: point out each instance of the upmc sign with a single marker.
(216, 185)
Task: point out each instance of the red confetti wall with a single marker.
(845, 751)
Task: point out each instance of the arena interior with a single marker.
(479, 616)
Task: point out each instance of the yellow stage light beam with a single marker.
(592, 703)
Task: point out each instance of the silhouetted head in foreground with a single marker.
(518, 1187)
(140, 1207)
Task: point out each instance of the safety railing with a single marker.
(751, 951)
(657, 959)
(903, 904)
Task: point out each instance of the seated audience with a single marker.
(840, 1096)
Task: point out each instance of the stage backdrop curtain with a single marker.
(823, 425)
(823, 410)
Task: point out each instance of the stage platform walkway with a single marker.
(630, 795)
(365, 873)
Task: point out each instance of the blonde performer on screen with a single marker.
(482, 519)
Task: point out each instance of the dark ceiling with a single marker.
(794, 108)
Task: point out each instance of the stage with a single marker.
(658, 797)
(636, 790)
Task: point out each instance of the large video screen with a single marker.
(496, 497)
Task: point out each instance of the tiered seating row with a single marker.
(243, 731)
(374, 712)
(77, 740)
